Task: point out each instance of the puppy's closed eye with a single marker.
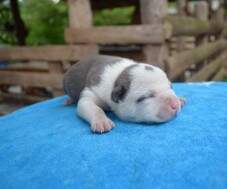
(144, 97)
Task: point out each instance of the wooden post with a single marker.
(153, 12)
(202, 13)
(56, 68)
(80, 14)
(181, 10)
(217, 14)
(182, 7)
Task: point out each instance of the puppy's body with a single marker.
(135, 92)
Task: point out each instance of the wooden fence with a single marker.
(189, 46)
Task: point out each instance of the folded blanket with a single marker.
(47, 145)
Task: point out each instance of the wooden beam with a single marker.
(56, 68)
(220, 75)
(202, 13)
(21, 97)
(31, 79)
(181, 11)
(138, 34)
(225, 31)
(181, 61)
(153, 13)
(189, 26)
(80, 14)
(47, 53)
(207, 71)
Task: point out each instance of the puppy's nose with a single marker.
(173, 102)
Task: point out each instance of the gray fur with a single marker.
(149, 68)
(122, 85)
(85, 73)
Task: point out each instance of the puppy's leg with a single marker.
(68, 102)
(182, 101)
(89, 108)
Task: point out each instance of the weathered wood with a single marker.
(31, 79)
(141, 34)
(181, 11)
(184, 60)
(182, 7)
(153, 12)
(220, 75)
(202, 13)
(56, 68)
(21, 97)
(189, 26)
(220, 17)
(47, 53)
(207, 71)
(225, 31)
(80, 14)
(188, 39)
(28, 66)
(202, 10)
(186, 46)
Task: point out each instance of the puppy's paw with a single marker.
(102, 125)
(68, 102)
(182, 101)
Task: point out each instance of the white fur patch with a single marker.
(104, 88)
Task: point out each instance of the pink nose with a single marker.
(173, 102)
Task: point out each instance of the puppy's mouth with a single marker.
(166, 116)
(167, 113)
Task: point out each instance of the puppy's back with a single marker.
(85, 73)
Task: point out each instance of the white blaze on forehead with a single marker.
(148, 79)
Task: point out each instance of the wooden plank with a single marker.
(181, 61)
(56, 68)
(140, 34)
(225, 31)
(47, 53)
(207, 71)
(21, 97)
(202, 13)
(189, 26)
(31, 79)
(80, 14)
(220, 75)
(188, 39)
(181, 11)
(153, 12)
(28, 66)
(182, 7)
(186, 46)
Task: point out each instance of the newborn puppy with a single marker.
(134, 91)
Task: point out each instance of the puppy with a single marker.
(135, 92)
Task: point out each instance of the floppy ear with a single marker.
(118, 93)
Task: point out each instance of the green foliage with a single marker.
(7, 34)
(45, 20)
(225, 4)
(115, 16)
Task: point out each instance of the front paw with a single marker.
(102, 125)
(182, 101)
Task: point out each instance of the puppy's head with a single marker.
(143, 93)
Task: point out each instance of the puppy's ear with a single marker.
(118, 93)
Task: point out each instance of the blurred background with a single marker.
(40, 39)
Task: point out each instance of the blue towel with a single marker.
(47, 146)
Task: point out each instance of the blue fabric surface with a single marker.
(47, 146)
